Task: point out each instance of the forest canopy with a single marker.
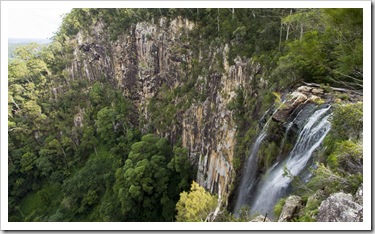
(82, 150)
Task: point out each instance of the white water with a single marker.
(274, 184)
(248, 179)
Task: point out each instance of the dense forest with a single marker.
(102, 129)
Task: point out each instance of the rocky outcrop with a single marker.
(359, 195)
(260, 218)
(150, 56)
(287, 108)
(301, 96)
(340, 207)
(290, 208)
(208, 128)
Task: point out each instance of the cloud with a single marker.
(34, 22)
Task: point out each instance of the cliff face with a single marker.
(152, 56)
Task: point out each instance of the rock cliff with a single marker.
(154, 56)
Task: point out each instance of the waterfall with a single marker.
(248, 179)
(274, 185)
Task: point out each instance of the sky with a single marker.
(38, 23)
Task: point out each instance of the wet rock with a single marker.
(287, 108)
(290, 208)
(340, 207)
(260, 218)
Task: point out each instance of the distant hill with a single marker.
(13, 43)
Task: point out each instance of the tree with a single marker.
(180, 165)
(151, 179)
(143, 182)
(105, 124)
(196, 205)
(346, 28)
(326, 47)
(84, 188)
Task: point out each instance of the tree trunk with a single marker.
(287, 29)
(218, 21)
(232, 13)
(281, 34)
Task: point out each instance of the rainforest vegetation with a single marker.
(79, 149)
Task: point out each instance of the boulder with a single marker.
(304, 89)
(317, 91)
(296, 99)
(290, 208)
(260, 218)
(315, 99)
(340, 207)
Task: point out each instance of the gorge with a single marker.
(127, 107)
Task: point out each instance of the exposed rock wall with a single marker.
(340, 207)
(209, 130)
(290, 208)
(151, 55)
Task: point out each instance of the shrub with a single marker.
(279, 207)
(347, 157)
(195, 205)
(347, 121)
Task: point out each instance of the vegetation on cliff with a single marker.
(339, 165)
(80, 149)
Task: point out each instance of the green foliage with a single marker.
(341, 166)
(343, 96)
(300, 188)
(267, 154)
(152, 177)
(347, 157)
(194, 206)
(324, 45)
(83, 188)
(279, 207)
(180, 164)
(270, 154)
(309, 212)
(105, 122)
(305, 61)
(347, 121)
(325, 178)
(101, 169)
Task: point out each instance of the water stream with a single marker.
(261, 193)
(274, 185)
(248, 179)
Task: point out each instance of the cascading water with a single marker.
(274, 184)
(248, 180)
